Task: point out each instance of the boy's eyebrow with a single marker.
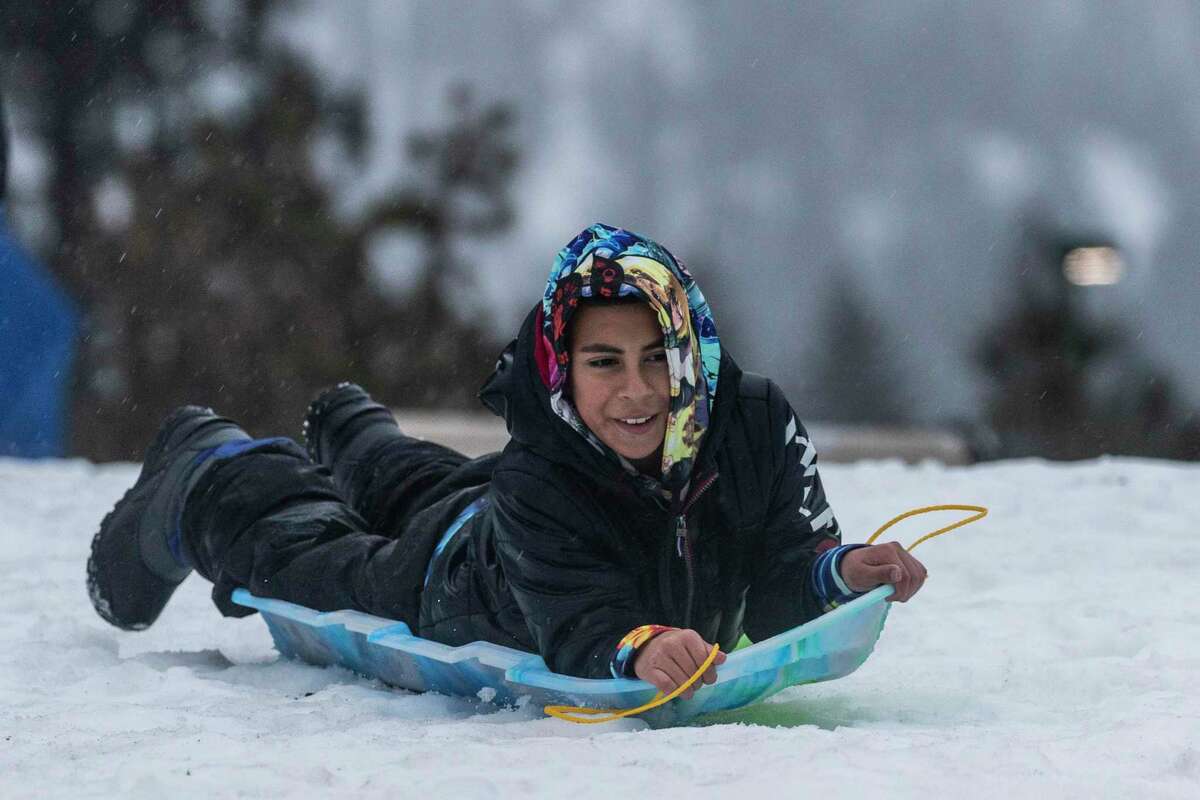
(601, 347)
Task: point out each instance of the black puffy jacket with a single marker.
(569, 555)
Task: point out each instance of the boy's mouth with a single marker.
(636, 425)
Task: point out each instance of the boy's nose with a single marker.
(635, 386)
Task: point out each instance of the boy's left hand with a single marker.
(864, 568)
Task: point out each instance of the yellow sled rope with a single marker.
(591, 716)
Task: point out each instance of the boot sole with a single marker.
(312, 416)
(115, 544)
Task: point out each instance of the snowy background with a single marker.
(774, 146)
(1054, 652)
(898, 146)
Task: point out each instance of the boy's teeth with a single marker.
(635, 421)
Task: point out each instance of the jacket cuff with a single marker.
(827, 583)
(621, 665)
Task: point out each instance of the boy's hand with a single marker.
(864, 568)
(670, 658)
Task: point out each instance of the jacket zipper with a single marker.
(683, 544)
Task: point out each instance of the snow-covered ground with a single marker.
(1054, 652)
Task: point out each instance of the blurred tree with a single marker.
(856, 378)
(460, 192)
(208, 253)
(1038, 358)
(1045, 361)
(84, 69)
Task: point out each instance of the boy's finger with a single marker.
(883, 565)
(660, 680)
(697, 650)
(676, 672)
(916, 572)
(710, 674)
(902, 583)
(890, 573)
(916, 568)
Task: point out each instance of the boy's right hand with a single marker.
(670, 658)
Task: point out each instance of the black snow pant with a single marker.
(270, 520)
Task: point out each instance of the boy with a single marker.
(654, 499)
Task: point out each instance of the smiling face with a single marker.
(619, 379)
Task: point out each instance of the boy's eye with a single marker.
(657, 357)
(602, 362)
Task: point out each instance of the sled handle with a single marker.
(590, 716)
(980, 513)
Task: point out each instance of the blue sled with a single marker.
(829, 647)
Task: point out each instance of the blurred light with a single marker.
(112, 204)
(1093, 266)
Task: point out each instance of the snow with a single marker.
(1052, 653)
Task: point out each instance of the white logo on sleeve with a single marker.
(809, 454)
(808, 457)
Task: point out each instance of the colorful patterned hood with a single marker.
(603, 261)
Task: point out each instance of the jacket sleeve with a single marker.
(795, 577)
(577, 599)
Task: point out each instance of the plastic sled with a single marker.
(828, 647)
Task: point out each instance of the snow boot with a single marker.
(342, 426)
(137, 560)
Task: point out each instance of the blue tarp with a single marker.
(38, 325)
